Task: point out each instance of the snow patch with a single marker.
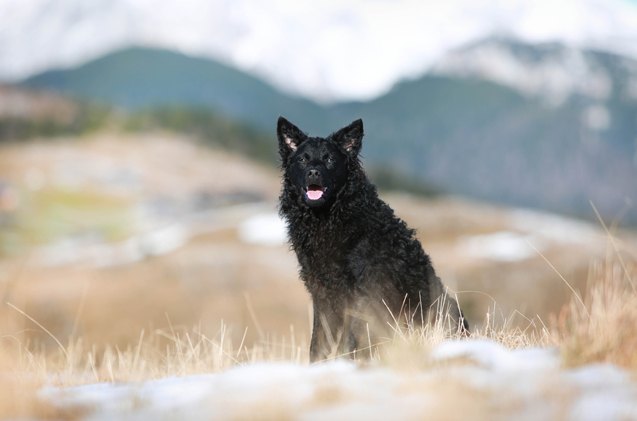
(496, 357)
(529, 232)
(597, 117)
(555, 228)
(97, 253)
(602, 395)
(263, 229)
(554, 78)
(503, 246)
(509, 384)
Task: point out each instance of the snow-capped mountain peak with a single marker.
(553, 72)
(331, 50)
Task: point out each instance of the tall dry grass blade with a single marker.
(396, 326)
(91, 362)
(253, 316)
(548, 262)
(243, 338)
(52, 336)
(138, 349)
(329, 336)
(611, 238)
(80, 310)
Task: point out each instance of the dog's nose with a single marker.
(313, 174)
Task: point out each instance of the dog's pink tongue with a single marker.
(315, 194)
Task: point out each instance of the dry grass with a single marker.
(158, 354)
(602, 327)
(410, 347)
(26, 368)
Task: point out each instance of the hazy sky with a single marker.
(344, 49)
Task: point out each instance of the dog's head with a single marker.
(317, 168)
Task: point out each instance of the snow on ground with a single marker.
(502, 246)
(479, 379)
(527, 233)
(263, 229)
(163, 236)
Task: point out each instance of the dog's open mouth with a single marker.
(315, 192)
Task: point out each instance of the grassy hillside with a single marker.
(26, 113)
(464, 136)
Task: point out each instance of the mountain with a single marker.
(556, 129)
(137, 78)
(332, 51)
(483, 140)
(461, 128)
(551, 71)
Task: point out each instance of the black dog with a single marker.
(362, 265)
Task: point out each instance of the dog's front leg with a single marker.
(331, 336)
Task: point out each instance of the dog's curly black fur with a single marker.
(363, 266)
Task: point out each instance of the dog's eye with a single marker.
(302, 159)
(328, 159)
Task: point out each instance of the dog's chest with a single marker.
(323, 242)
(324, 249)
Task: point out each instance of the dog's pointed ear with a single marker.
(350, 138)
(290, 137)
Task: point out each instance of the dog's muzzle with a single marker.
(315, 189)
